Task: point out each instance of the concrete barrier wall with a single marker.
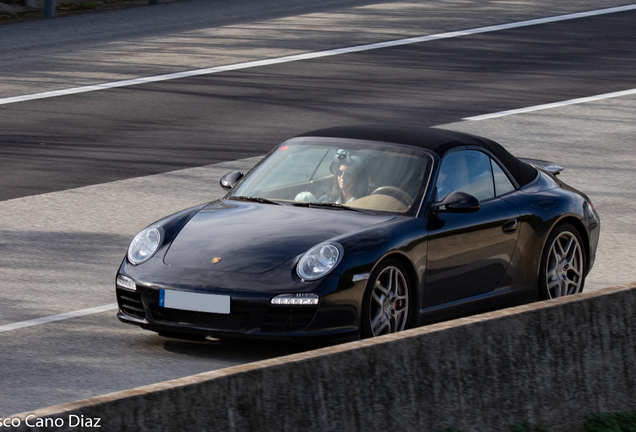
(550, 363)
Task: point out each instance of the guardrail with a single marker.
(550, 363)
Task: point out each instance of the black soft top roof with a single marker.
(436, 140)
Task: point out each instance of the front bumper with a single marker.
(336, 317)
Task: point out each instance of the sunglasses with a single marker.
(344, 174)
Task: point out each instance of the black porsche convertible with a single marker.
(356, 232)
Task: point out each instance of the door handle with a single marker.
(510, 226)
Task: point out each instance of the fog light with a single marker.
(295, 299)
(126, 282)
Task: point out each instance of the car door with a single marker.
(468, 253)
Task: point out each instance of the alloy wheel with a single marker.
(564, 269)
(389, 305)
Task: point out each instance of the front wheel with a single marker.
(385, 308)
(563, 263)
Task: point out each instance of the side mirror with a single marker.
(457, 202)
(229, 180)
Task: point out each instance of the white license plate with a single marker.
(212, 303)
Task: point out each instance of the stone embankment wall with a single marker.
(550, 363)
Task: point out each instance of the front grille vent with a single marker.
(130, 304)
(232, 321)
(287, 318)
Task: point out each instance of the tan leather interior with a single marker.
(379, 202)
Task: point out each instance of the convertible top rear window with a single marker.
(351, 173)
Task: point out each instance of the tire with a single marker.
(386, 307)
(563, 263)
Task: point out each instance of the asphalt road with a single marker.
(82, 174)
(72, 141)
(191, 34)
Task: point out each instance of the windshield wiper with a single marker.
(255, 199)
(325, 205)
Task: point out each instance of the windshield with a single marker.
(337, 173)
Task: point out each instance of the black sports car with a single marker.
(361, 231)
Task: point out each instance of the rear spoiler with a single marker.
(550, 167)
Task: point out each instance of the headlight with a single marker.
(319, 260)
(145, 244)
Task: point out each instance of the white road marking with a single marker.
(59, 317)
(314, 55)
(552, 105)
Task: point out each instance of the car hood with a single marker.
(255, 238)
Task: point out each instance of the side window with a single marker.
(502, 182)
(466, 171)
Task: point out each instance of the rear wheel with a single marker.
(386, 306)
(562, 264)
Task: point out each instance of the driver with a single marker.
(350, 183)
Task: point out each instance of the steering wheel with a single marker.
(396, 193)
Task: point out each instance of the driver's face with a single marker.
(346, 177)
